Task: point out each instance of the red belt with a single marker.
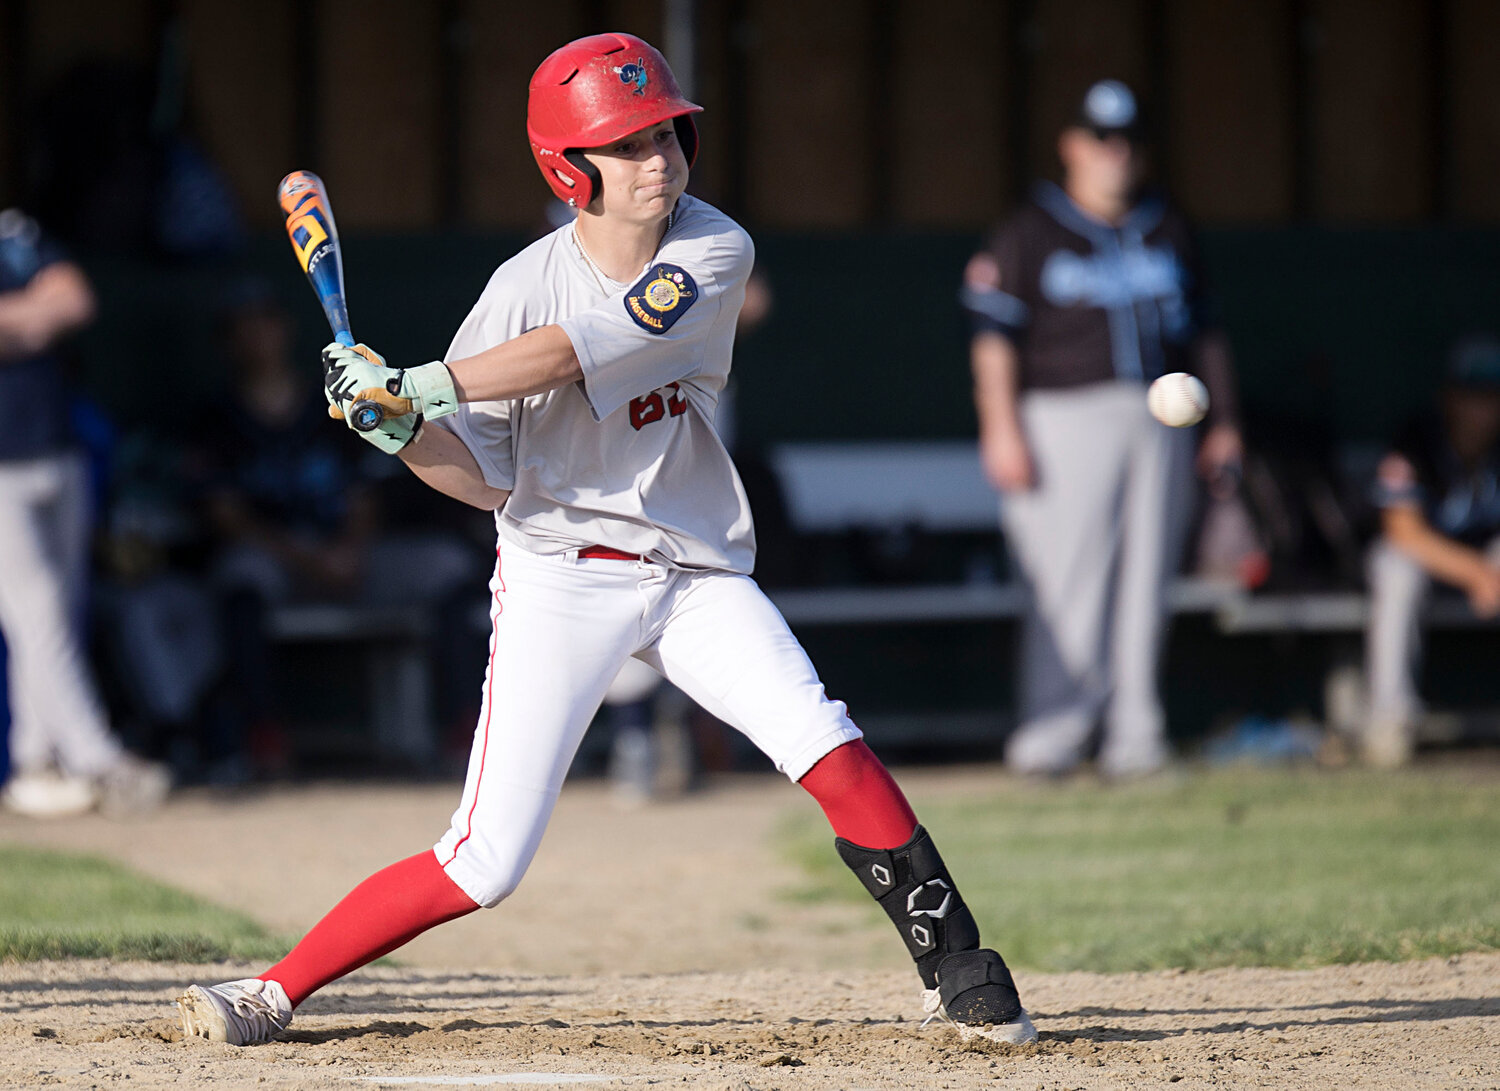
(604, 553)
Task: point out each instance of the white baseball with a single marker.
(1177, 399)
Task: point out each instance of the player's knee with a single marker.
(492, 887)
(485, 873)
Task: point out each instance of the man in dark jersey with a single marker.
(1438, 491)
(64, 757)
(1088, 292)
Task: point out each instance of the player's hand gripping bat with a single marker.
(315, 239)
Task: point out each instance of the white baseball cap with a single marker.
(1109, 107)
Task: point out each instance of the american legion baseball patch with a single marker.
(660, 298)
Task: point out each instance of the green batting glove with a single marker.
(394, 433)
(429, 387)
(349, 372)
(352, 373)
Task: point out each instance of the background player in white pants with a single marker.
(64, 757)
(588, 374)
(1438, 493)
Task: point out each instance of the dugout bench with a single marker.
(938, 485)
(394, 688)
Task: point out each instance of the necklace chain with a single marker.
(599, 275)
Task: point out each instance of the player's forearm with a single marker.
(442, 462)
(56, 302)
(1440, 556)
(533, 363)
(996, 367)
(20, 332)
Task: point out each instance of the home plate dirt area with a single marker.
(1407, 1025)
(606, 970)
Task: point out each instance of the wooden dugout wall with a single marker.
(837, 115)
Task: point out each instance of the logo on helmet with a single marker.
(633, 73)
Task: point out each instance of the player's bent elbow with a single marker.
(471, 491)
(489, 500)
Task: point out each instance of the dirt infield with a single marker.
(640, 952)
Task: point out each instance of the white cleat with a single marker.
(242, 1013)
(133, 786)
(1017, 1032)
(48, 795)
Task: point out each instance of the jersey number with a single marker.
(652, 408)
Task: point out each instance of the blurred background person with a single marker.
(290, 517)
(1087, 293)
(650, 753)
(64, 757)
(1438, 493)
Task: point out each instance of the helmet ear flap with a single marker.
(588, 173)
(687, 136)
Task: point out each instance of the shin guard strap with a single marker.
(914, 888)
(977, 988)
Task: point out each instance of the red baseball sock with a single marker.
(862, 802)
(388, 909)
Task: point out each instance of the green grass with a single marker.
(1241, 868)
(58, 905)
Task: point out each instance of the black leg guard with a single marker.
(913, 886)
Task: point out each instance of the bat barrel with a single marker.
(315, 241)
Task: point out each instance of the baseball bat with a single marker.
(315, 240)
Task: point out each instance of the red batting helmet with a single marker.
(591, 92)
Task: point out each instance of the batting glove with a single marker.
(347, 372)
(352, 373)
(392, 434)
(429, 388)
(360, 372)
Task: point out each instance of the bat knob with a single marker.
(366, 415)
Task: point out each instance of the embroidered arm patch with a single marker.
(660, 297)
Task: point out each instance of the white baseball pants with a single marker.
(1399, 589)
(562, 628)
(44, 529)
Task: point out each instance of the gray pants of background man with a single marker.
(1096, 541)
(44, 537)
(1399, 587)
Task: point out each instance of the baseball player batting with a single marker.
(577, 402)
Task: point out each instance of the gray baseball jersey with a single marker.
(628, 457)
